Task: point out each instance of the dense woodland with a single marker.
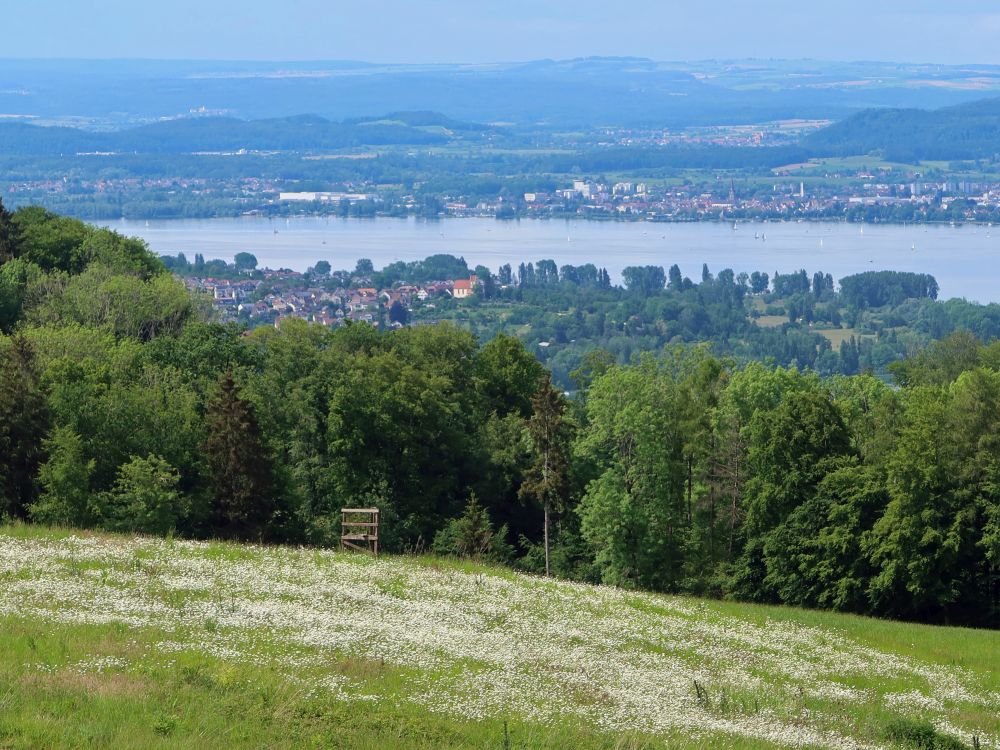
(123, 406)
(965, 131)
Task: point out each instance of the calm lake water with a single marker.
(964, 259)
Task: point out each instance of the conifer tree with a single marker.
(547, 479)
(398, 313)
(240, 467)
(7, 235)
(23, 424)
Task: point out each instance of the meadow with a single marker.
(141, 642)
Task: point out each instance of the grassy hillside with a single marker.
(139, 642)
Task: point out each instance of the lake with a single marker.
(964, 259)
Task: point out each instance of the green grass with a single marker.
(853, 163)
(195, 700)
(836, 336)
(975, 650)
(205, 702)
(109, 641)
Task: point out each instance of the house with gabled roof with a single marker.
(463, 288)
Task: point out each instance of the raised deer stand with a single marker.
(359, 529)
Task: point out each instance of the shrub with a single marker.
(472, 535)
(145, 497)
(921, 734)
(65, 481)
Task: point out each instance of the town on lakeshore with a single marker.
(793, 192)
(914, 200)
(303, 297)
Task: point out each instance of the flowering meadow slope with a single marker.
(126, 618)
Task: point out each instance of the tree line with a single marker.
(772, 485)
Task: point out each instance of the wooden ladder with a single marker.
(359, 529)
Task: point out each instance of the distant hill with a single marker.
(581, 92)
(966, 131)
(420, 119)
(186, 135)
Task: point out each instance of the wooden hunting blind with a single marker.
(359, 529)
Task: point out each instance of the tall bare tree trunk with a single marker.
(547, 538)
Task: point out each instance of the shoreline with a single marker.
(109, 222)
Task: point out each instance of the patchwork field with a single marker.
(139, 642)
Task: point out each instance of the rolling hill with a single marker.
(966, 131)
(214, 134)
(140, 642)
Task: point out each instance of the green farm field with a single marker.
(135, 642)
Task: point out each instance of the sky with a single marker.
(476, 31)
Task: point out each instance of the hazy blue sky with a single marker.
(477, 31)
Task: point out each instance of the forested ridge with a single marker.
(124, 407)
(965, 131)
(179, 136)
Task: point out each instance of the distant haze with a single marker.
(958, 31)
